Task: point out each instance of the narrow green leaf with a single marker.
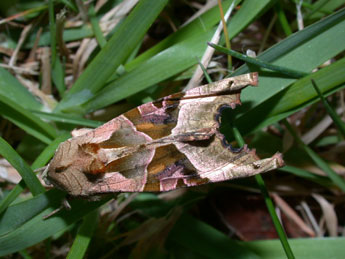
(336, 179)
(24, 119)
(129, 34)
(95, 27)
(20, 165)
(15, 91)
(74, 34)
(34, 228)
(52, 29)
(336, 119)
(255, 61)
(322, 180)
(68, 119)
(58, 76)
(40, 161)
(282, 19)
(84, 236)
(271, 209)
(306, 248)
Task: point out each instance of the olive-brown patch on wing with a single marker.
(154, 119)
(167, 167)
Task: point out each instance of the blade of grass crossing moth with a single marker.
(336, 179)
(129, 34)
(40, 161)
(269, 203)
(84, 235)
(255, 61)
(21, 166)
(336, 119)
(208, 78)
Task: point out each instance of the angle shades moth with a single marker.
(159, 146)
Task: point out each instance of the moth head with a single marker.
(65, 170)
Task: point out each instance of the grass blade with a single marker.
(260, 182)
(68, 119)
(16, 92)
(336, 119)
(306, 248)
(83, 238)
(255, 61)
(336, 179)
(26, 120)
(40, 161)
(20, 165)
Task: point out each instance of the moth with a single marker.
(159, 146)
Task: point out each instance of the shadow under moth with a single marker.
(159, 146)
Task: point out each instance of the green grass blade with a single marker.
(280, 231)
(282, 19)
(20, 213)
(336, 179)
(69, 35)
(68, 119)
(15, 91)
(322, 180)
(84, 236)
(24, 119)
(306, 248)
(20, 165)
(129, 34)
(95, 27)
(35, 229)
(336, 119)
(255, 61)
(52, 30)
(40, 161)
(49, 151)
(276, 222)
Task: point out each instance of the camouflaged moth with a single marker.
(159, 146)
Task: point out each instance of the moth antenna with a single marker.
(65, 205)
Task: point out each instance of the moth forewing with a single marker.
(159, 146)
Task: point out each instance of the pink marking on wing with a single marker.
(168, 184)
